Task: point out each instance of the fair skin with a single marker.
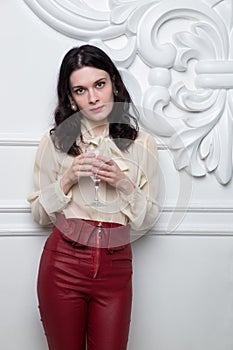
(92, 91)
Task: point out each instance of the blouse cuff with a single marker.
(61, 195)
(134, 207)
(130, 198)
(53, 198)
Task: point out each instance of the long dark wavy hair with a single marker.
(123, 126)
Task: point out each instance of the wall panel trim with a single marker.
(34, 142)
(195, 221)
(166, 209)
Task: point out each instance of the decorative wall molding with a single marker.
(22, 232)
(188, 99)
(197, 208)
(25, 142)
(193, 230)
(11, 209)
(19, 143)
(19, 140)
(195, 220)
(44, 233)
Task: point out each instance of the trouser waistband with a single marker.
(109, 235)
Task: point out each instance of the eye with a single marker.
(79, 91)
(100, 84)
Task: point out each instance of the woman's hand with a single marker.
(82, 166)
(107, 170)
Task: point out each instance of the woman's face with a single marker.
(91, 89)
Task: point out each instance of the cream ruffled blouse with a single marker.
(139, 163)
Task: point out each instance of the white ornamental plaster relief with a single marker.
(187, 48)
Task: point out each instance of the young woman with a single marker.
(84, 281)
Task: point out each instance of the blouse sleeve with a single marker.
(141, 206)
(48, 197)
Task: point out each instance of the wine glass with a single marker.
(96, 180)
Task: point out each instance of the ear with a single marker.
(73, 105)
(70, 99)
(114, 89)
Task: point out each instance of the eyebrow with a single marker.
(97, 81)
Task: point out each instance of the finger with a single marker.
(89, 155)
(105, 178)
(103, 169)
(85, 167)
(105, 159)
(82, 170)
(103, 173)
(85, 160)
(85, 173)
(84, 156)
(99, 163)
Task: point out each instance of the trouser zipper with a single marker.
(97, 256)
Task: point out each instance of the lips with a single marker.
(97, 109)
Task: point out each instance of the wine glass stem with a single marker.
(96, 192)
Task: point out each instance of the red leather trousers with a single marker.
(85, 295)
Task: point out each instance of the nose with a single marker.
(93, 97)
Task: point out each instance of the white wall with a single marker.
(183, 285)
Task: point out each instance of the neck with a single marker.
(97, 128)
